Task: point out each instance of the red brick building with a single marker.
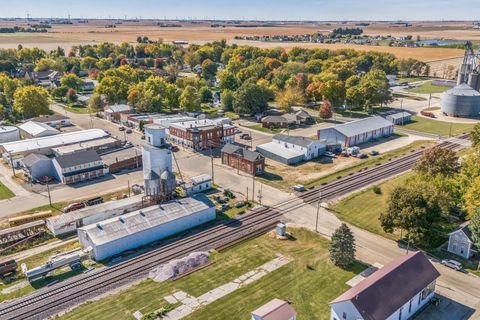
(242, 159)
(201, 134)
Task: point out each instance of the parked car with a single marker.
(175, 149)
(329, 154)
(74, 207)
(299, 188)
(245, 136)
(122, 128)
(453, 264)
(374, 153)
(362, 156)
(129, 131)
(427, 114)
(142, 137)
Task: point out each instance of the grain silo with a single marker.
(158, 173)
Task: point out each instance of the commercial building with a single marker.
(460, 242)
(242, 159)
(78, 167)
(275, 310)
(399, 118)
(19, 149)
(357, 132)
(36, 166)
(122, 159)
(9, 134)
(32, 129)
(112, 113)
(201, 134)
(395, 292)
(198, 184)
(69, 222)
(102, 145)
(54, 120)
(292, 149)
(139, 228)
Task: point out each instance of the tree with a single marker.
(250, 99)
(209, 69)
(288, 98)
(438, 160)
(475, 135)
(88, 63)
(326, 110)
(3, 110)
(60, 92)
(474, 228)
(227, 81)
(153, 95)
(472, 198)
(114, 88)
(227, 97)
(342, 247)
(72, 81)
(333, 91)
(189, 100)
(71, 95)
(31, 101)
(96, 103)
(205, 95)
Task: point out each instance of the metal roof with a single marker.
(278, 149)
(201, 178)
(85, 145)
(48, 118)
(296, 140)
(78, 158)
(119, 108)
(90, 211)
(5, 129)
(33, 158)
(141, 220)
(245, 153)
(463, 90)
(34, 128)
(53, 141)
(399, 115)
(354, 128)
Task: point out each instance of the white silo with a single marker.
(9, 134)
(155, 135)
(155, 162)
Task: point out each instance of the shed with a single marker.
(198, 184)
(399, 118)
(460, 242)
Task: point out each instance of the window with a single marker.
(410, 306)
(344, 315)
(400, 314)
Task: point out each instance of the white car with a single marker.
(452, 264)
(299, 188)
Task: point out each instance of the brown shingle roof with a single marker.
(275, 310)
(385, 291)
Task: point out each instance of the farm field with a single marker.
(311, 277)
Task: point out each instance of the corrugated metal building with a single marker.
(400, 118)
(135, 229)
(357, 132)
(69, 222)
(32, 129)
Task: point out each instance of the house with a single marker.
(398, 291)
(78, 167)
(37, 166)
(292, 149)
(198, 184)
(357, 132)
(460, 242)
(83, 99)
(54, 120)
(112, 113)
(32, 129)
(277, 122)
(46, 79)
(275, 310)
(89, 85)
(399, 117)
(242, 159)
(299, 117)
(201, 134)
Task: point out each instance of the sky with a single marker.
(247, 9)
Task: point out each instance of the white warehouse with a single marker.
(139, 228)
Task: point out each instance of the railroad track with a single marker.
(47, 302)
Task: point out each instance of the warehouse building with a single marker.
(78, 167)
(19, 149)
(142, 227)
(32, 129)
(54, 120)
(292, 149)
(69, 222)
(357, 132)
(399, 118)
(100, 145)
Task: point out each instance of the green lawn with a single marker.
(407, 96)
(80, 110)
(437, 127)
(363, 208)
(370, 162)
(428, 87)
(5, 193)
(259, 127)
(310, 281)
(411, 79)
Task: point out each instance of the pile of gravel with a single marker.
(178, 267)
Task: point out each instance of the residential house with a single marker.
(299, 117)
(357, 132)
(78, 167)
(46, 79)
(32, 129)
(242, 159)
(292, 149)
(201, 134)
(275, 310)
(54, 120)
(397, 291)
(198, 184)
(277, 122)
(113, 112)
(37, 166)
(460, 242)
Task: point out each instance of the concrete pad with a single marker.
(180, 295)
(242, 278)
(138, 315)
(170, 299)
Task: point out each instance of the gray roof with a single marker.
(119, 108)
(465, 229)
(230, 148)
(296, 140)
(78, 158)
(351, 129)
(275, 119)
(141, 220)
(33, 158)
(463, 90)
(245, 153)
(201, 178)
(36, 128)
(404, 277)
(48, 118)
(399, 115)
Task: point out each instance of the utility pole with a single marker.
(49, 196)
(11, 163)
(211, 160)
(318, 208)
(253, 189)
(260, 196)
(247, 194)
(128, 188)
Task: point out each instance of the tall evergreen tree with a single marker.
(342, 247)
